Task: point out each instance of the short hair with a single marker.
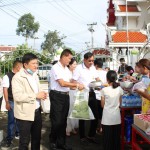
(122, 60)
(16, 62)
(98, 62)
(144, 63)
(88, 55)
(54, 62)
(130, 69)
(28, 57)
(66, 52)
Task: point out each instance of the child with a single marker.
(111, 119)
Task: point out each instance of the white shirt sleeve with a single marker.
(5, 82)
(76, 74)
(96, 73)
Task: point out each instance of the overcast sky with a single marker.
(69, 17)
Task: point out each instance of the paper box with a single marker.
(142, 121)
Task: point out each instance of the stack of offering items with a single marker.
(143, 122)
(131, 100)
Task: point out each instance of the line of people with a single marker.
(23, 94)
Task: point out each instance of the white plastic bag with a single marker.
(139, 86)
(45, 104)
(81, 109)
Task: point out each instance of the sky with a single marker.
(69, 17)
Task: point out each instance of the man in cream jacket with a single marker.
(27, 96)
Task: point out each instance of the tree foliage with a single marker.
(6, 65)
(52, 42)
(27, 27)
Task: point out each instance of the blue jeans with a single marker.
(12, 126)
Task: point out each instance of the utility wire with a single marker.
(20, 15)
(75, 12)
(64, 11)
(8, 14)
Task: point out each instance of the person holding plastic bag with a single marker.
(84, 74)
(72, 124)
(59, 98)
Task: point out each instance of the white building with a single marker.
(5, 50)
(127, 28)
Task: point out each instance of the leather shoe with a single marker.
(53, 146)
(92, 140)
(65, 147)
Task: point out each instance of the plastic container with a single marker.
(123, 100)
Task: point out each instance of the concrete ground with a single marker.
(72, 141)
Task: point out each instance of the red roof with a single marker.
(7, 48)
(130, 8)
(101, 52)
(134, 37)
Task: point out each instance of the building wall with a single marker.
(134, 23)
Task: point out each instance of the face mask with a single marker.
(30, 71)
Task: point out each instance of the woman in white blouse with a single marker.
(111, 119)
(72, 124)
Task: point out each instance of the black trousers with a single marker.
(33, 128)
(1, 102)
(93, 123)
(58, 116)
(111, 137)
(100, 109)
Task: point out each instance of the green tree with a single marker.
(27, 27)
(52, 42)
(6, 64)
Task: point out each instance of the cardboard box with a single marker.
(142, 121)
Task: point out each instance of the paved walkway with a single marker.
(73, 140)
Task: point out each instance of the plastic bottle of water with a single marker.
(139, 101)
(124, 100)
(132, 100)
(128, 101)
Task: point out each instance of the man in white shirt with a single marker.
(84, 74)
(59, 97)
(98, 63)
(12, 126)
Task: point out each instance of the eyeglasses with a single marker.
(91, 61)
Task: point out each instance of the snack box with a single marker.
(142, 121)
